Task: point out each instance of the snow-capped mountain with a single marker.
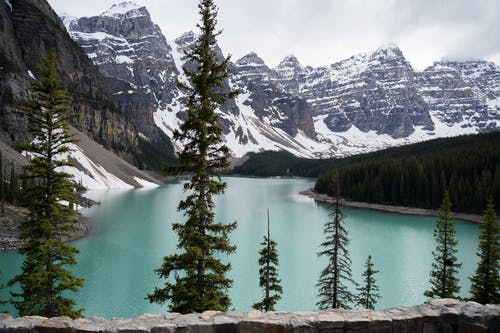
(367, 102)
(133, 54)
(374, 91)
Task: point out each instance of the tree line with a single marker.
(469, 169)
(10, 183)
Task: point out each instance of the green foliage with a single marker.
(268, 273)
(368, 293)
(332, 288)
(3, 183)
(200, 281)
(281, 163)
(45, 280)
(2, 302)
(444, 281)
(485, 287)
(418, 175)
(156, 154)
(10, 190)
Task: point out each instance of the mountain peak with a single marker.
(390, 50)
(290, 61)
(127, 8)
(250, 58)
(186, 39)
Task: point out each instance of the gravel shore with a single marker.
(391, 209)
(9, 227)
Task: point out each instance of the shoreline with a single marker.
(14, 215)
(390, 209)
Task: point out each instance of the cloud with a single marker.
(320, 32)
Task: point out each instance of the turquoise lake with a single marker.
(131, 232)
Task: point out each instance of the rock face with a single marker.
(367, 102)
(267, 98)
(29, 30)
(373, 92)
(465, 94)
(134, 56)
(445, 315)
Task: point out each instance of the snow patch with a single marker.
(129, 9)
(123, 59)
(93, 175)
(145, 184)
(7, 2)
(30, 74)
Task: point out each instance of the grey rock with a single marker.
(377, 91)
(136, 59)
(30, 30)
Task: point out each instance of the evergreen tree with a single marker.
(368, 293)
(45, 279)
(2, 302)
(333, 292)
(200, 281)
(2, 187)
(2, 193)
(268, 273)
(13, 185)
(485, 287)
(444, 281)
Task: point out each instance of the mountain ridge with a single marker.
(366, 102)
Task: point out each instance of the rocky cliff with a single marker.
(366, 102)
(373, 92)
(30, 29)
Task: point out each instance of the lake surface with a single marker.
(131, 232)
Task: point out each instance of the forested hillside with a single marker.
(417, 175)
(282, 163)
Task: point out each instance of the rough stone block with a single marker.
(298, 324)
(448, 302)
(198, 327)
(465, 327)
(379, 322)
(262, 326)
(208, 314)
(223, 324)
(493, 320)
(357, 321)
(163, 328)
(90, 325)
(55, 325)
(472, 311)
(330, 322)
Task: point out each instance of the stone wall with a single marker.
(446, 315)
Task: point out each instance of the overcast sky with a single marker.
(321, 32)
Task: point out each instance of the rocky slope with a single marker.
(367, 102)
(373, 92)
(29, 29)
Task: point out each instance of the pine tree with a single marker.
(444, 281)
(2, 187)
(333, 292)
(485, 287)
(368, 293)
(13, 185)
(2, 194)
(45, 279)
(268, 273)
(200, 278)
(2, 302)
